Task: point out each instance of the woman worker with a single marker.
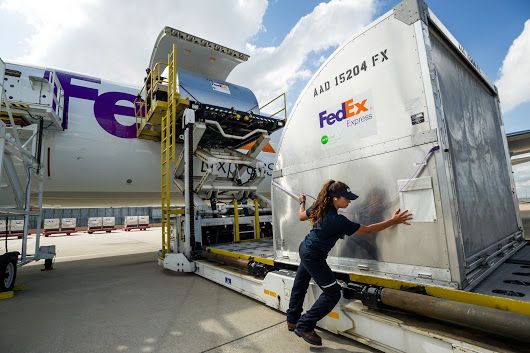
(328, 227)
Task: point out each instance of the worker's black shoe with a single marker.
(291, 326)
(310, 337)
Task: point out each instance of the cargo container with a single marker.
(52, 224)
(143, 222)
(16, 228)
(109, 224)
(95, 224)
(68, 225)
(130, 222)
(404, 116)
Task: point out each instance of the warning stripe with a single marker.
(512, 305)
(17, 105)
(268, 148)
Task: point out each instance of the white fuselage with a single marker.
(97, 161)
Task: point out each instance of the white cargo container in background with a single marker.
(95, 224)
(52, 224)
(16, 225)
(59, 225)
(3, 227)
(109, 223)
(136, 222)
(143, 220)
(68, 224)
(130, 222)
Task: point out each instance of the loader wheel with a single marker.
(8, 275)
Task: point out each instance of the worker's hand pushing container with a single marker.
(328, 227)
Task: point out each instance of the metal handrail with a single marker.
(141, 112)
(213, 122)
(284, 109)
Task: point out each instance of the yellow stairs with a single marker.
(167, 147)
(158, 122)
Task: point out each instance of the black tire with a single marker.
(8, 274)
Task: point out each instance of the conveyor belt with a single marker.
(233, 122)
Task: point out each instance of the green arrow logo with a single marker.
(324, 139)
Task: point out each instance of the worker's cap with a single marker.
(344, 192)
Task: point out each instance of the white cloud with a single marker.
(514, 82)
(113, 39)
(273, 70)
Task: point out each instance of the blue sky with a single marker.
(485, 28)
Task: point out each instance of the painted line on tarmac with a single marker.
(245, 336)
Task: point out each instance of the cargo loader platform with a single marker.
(259, 250)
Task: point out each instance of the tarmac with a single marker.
(108, 294)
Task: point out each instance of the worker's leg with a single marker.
(331, 294)
(301, 283)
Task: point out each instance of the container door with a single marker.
(480, 168)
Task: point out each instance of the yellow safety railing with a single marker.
(144, 108)
(156, 119)
(167, 151)
(283, 106)
(168, 132)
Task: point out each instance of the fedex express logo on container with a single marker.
(349, 109)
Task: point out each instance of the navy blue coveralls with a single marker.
(313, 251)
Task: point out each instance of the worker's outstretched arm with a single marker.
(398, 218)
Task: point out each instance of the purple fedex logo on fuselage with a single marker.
(105, 104)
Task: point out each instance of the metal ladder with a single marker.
(167, 148)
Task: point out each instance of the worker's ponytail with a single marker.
(324, 199)
(322, 202)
